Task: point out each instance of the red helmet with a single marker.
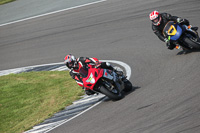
(70, 61)
(155, 18)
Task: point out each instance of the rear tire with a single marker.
(193, 43)
(111, 95)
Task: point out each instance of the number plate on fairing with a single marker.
(106, 74)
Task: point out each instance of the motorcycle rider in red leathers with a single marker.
(76, 64)
(159, 20)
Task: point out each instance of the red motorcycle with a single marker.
(105, 81)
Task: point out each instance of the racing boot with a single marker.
(88, 91)
(110, 67)
(194, 28)
(120, 73)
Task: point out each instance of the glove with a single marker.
(120, 73)
(84, 88)
(167, 42)
(72, 74)
(180, 20)
(170, 46)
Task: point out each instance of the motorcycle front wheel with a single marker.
(128, 85)
(115, 96)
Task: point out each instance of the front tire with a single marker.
(128, 85)
(111, 95)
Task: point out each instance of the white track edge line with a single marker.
(21, 20)
(76, 115)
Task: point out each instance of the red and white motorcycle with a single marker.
(105, 81)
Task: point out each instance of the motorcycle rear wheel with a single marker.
(111, 95)
(193, 43)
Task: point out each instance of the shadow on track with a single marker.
(134, 88)
(184, 52)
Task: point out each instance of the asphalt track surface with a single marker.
(168, 94)
(21, 10)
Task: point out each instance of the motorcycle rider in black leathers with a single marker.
(75, 65)
(159, 20)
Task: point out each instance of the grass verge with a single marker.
(5, 1)
(26, 99)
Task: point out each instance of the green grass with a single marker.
(5, 1)
(27, 99)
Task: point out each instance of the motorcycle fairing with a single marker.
(173, 31)
(93, 77)
(178, 32)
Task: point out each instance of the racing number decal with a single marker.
(172, 30)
